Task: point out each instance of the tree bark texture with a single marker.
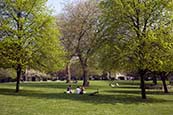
(18, 71)
(83, 63)
(154, 77)
(164, 82)
(142, 84)
(68, 73)
(85, 73)
(155, 80)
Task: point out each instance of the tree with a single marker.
(78, 25)
(30, 37)
(161, 60)
(130, 24)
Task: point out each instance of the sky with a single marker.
(56, 5)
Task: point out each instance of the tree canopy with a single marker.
(136, 30)
(78, 25)
(30, 36)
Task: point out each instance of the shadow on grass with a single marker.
(129, 87)
(155, 92)
(98, 99)
(122, 82)
(45, 85)
(52, 85)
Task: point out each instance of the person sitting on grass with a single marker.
(82, 90)
(69, 89)
(78, 90)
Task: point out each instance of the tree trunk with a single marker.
(155, 80)
(83, 63)
(68, 72)
(164, 82)
(18, 71)
(85, 78)
(109, 75)
(142, 85)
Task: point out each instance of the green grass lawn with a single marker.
(48, 98)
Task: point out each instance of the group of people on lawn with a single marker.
(79, 90)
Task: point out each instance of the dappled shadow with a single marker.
(159, 92)
(98, 99)
(7, 91)
(123, 91)
(52, 85)
(128, 83)
(129, 87)
(45, 85)
(138, 92)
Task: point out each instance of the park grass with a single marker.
(48, 98)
